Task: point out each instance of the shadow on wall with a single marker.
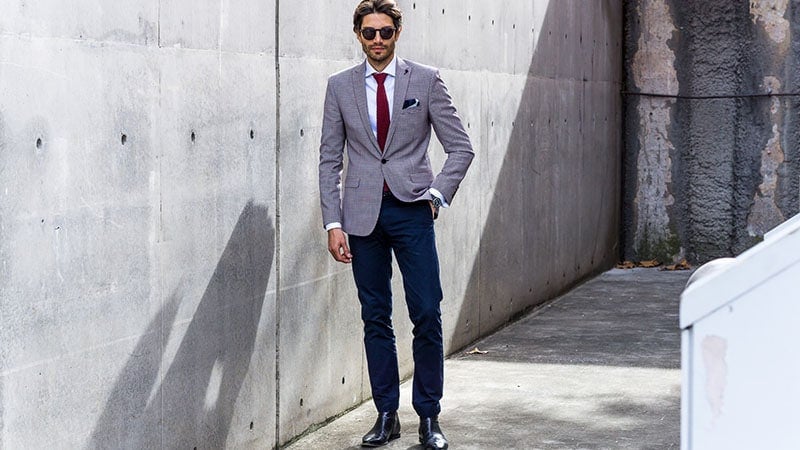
(554, 213)
(197, 397)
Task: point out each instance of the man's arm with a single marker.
(451, 133)
(331, 155)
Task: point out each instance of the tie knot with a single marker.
(380, 77)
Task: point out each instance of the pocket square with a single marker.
(410, 103)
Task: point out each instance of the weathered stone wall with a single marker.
(711, 153)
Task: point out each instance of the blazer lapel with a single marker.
(360, 92)
(402, 77)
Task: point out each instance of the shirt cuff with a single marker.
(439, 195)
(332, 225)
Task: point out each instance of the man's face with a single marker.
(379, 51)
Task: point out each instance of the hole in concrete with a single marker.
(414, 6)
(514, 26)
(342, 380)
(192, 136)
(301, 402)
(123, 139)
(42, 220)
(468, 125)
(302, 133)
(252, 134)
(490, 307)
(469, 18)
(251, 425)
(39, 143)
(442, 10)
(492, 21)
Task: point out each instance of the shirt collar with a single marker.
(391, 69)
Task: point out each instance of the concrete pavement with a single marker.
(597, 368)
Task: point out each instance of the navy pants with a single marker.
(407, 230)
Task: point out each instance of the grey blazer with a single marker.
(421, 100)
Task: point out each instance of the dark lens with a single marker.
(369, 33)
(387, 32)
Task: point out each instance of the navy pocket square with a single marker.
(410, 103)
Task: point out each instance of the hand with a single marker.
(337, 246)
(434, 210)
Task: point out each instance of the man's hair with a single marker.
(367, 7)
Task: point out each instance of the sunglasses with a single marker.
(385, 32)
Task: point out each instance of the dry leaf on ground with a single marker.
(476, 351)
(683, 265)
(649, 263)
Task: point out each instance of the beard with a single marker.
(387, 51)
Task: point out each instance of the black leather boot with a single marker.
(430, 435)
(386, 428)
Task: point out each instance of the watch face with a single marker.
(437, 202)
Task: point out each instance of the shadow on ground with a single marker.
(622, 318)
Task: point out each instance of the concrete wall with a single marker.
(711, 160)
(164, 275)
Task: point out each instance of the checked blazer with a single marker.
(421, 103)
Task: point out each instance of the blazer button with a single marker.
(383, 161)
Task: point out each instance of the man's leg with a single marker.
(372, 271)
(410, 227)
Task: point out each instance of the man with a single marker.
(383, 110)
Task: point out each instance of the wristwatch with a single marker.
(437, 203)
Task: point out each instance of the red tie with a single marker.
(383, 110)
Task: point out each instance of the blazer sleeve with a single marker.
(331, 154)
(450, 132)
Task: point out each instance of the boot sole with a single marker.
(391, 438)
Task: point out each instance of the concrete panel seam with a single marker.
(278, 258)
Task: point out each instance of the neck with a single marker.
(380, 65)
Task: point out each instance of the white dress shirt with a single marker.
(372, 92)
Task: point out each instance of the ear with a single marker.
(397, 33)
